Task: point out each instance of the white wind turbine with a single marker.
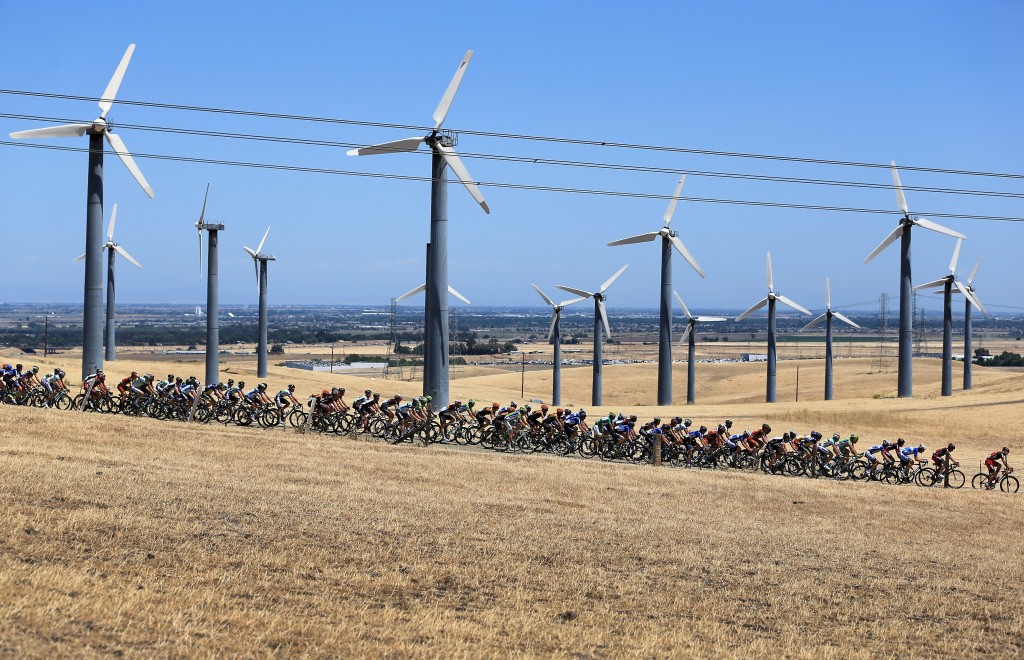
(435, 363)
(827, 318)
(98, 130)
(554, 332)
(259, 261)
(688, 334)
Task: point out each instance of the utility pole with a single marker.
(522, 382)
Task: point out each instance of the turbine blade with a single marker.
(200, 254)
(256, 267)
(956, 256)
(543, 295)
(930, 285)
(686, 331)
(928, 224)
(419, 289)
(110, 228)
(124, 253)
(815, 322)
(764, 301)
(710, 319)
(80, 257)
(578, 292)
(901, 201)
(259, 250)
(458, 295)
(683, 305)
(117, 144)
(681, 249)
(611, 280)
(449, 94)
(970, 280)
(455, 163)
(67, 130)
(252, 253)
(110, 93)
(604, 318)
(968, 295)
(828, 296)
(768, 271)
(202, 214)
(551, 330)
(844, 319)
(786, 301)
(571, 301)
(639, 238)
(896, 233)
(398, 146)
(977, 301)
(671, 210)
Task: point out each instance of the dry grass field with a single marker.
(156, 538)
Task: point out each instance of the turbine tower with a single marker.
(688, 334)
(112, 248)
(600, 321)
(97, 130)
(212, 291)
(948, 283)
(770, 300)
(555, 332)
(827, 318)
(906, 374)
(435, 364)
(968, 330)
(259, 260)
(669, 240)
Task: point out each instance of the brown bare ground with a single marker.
(152, 538)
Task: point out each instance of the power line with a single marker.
(540, 161)
(516, 186)
(517, 136)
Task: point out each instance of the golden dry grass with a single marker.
(154, 538)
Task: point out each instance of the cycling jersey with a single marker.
(874, 449)
(995, 456)
(908, 453)
(360, 401)
(253, 394)
(939, 453)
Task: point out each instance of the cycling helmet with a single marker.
(456, 403)
(900, 442)
(35, 369)
(61, 372)
(853, 437)
(398, 397)
(241, 384)
(677, 420)
(134, 375)
(687, 421)
(513, 405)
(792, 434)
(170, 376)
(367, 393)
(428, 397)
(376, 395)
(746, 434)
(1006, 450)
(721, 428)
(334, 390)
(325, 393)
(815, 435)
(920, 448)
(632, 418)
(950, 447)
(765, 428)
(494, 405)
(221, 386)
(231, 382)
(559, 411)
(703, 429)
(471, 402)
(291, 388)
(657, 420)
(544, 407)
(527, 408)
(341, 390)
(582, 413)
(263, 386)
(728, 423)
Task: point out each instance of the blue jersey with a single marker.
(908, 453)
(874, 449)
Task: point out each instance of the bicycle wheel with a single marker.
(1009, 484)
(926, 477)
(979, 480)
(956, 479)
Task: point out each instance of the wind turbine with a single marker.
(98, 130)
(555, 332)
(669, 240)
(212, 291)
(968, 330)
(112, 248)
(948, 283)
(827, 318)
(435, 364)
(770, 300)
(691, 323)
(600, 321)
(906, 374)
(423, 287)
(259, 261)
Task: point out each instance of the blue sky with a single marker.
(925, 83)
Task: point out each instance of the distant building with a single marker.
(755, 357)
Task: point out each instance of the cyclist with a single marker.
(125, 384)
(340, 400)
(992, 463)
(908, 454)
(97, 381)
(212, 393)
(939, 458)
(482, 416)
(759, 438)
(30, 378)
(235, 392)
(369, 408)
(847, 446)
(357, 404)
(53, 383)
(258, 395)
(163, 385)
(283, 399)
(449, 414)
(390, 406)
(776, 448)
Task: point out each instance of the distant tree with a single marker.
(277, 349)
